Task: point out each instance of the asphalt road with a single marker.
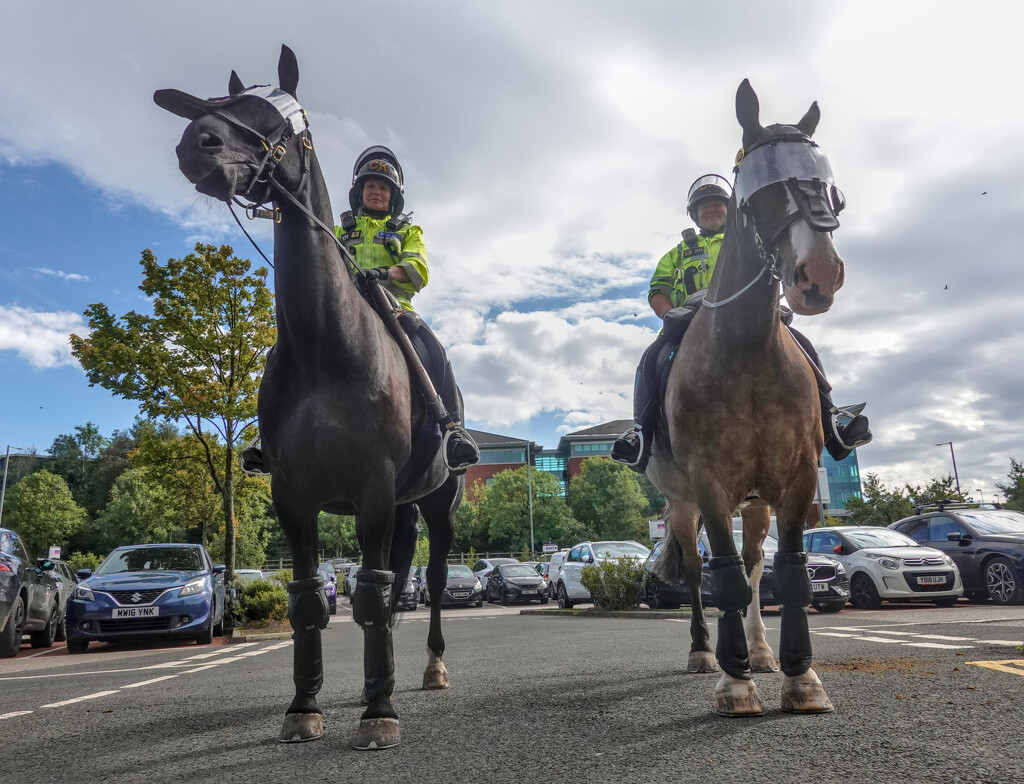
(921, 695)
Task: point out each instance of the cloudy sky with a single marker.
(547, 147)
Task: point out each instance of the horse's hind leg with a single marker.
(755, 528)
(308, 612)
(684, 525)
(439, 512)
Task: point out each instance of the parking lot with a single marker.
(921, 694)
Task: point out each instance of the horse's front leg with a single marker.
(756, 520)
(439, 512)
(372, 611)
(802, 691)
(308, 612)
(702, 657)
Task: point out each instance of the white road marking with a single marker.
(935, 645)
(200, 669)
(943, 637)
(146, 683)
(834, 634)
(13, 714)
(80, 699)
(884, 639)
(1014, 643)
(43, 653)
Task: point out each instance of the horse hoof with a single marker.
(375, 734)
(805, 694)
(702, 661)
(436, 674)
(735, 698)
(300, 727)
(763, 661)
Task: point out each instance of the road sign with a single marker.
(549, 547)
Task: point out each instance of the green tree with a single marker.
(469, 531)
(197, 359)
(141, 511)
(1013, 490)
(938, 489)
(338, 535)
(41, 509)
(74, 459)
(655, 500)
(607, 498)
(878, 505)
(504, 510)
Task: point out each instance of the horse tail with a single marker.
(670, 561)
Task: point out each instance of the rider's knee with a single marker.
(730, 588)
(371, 602)
(307, 604)
(790, 584)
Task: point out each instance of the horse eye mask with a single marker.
(192, 108)
(779, 161)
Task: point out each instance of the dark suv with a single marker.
(29, 601)
(986, 543)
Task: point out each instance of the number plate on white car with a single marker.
(931, 580)
(819, 587)
(136, 612)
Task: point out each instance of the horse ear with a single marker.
(288, 71)
(747, 111)
(235, 85)
(809, 121)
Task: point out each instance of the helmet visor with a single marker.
(708, 185)
(780, 161)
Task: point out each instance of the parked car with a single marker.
(570, 589)
(66, 582)
(148, 590)
(554, 564)
(483, 567)
(343, 574)
(544, 570)
(987, 546)
(462, 587)
(885, 564)
(661, 594)
(408, 599)
(29, 597)
(350, 581)
(420, 573)
(326, 570)
(516, 582)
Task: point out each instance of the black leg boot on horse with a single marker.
(308, 612)
(371, 610)
(735, 694)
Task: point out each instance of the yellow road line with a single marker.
(1012, 666)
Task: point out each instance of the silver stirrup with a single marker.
(848, 413)
(639, 454)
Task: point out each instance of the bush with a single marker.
(616, 584)
(83, 561)
(281, 577)
(262, 601)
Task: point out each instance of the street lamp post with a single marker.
(3, 487)
(953, 456)
(529, 490)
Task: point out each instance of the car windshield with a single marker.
(460, 571)
(501, 561)
(879, 537)
(152, 559)
(620, 549)
(770, 546)
(248, 575)
(995, 522)
(518, 570)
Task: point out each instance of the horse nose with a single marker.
(209, 140)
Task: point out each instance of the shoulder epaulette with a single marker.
(348, 221)
(399, 221)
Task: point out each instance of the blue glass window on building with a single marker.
(592, 449)
(493, 456)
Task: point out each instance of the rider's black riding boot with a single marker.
(461, 450)
(252, 460)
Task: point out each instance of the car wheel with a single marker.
(945, 601)
(829, 607)
(1003, 585)
(218, 629)
(77, 644)
(977, 597)
(504, 597)
(334, 609)
(544, 598)
(207, 635)
(863, 593)
(10, 638)
(563, 598)
(44, 637)
(480, 602)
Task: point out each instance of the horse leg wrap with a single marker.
(792, 588)
(371, 609)
(732, 593)
(307, 604)
(371, 604)
(729, 585)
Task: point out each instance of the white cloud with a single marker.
(59, 274)
(41, 339)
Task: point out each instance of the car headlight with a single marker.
(195, 586)
(477, 586)
(840, 569)
(889, 563)
(84, 592)
(948, 561)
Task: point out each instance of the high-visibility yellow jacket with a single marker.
(369, 243)
(686, 269)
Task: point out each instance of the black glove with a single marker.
(375, 273)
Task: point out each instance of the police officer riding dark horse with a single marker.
(677, 290)
(389, 248)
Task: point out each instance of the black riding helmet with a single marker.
(377, 161)
(707, 186)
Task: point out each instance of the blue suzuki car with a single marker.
(148, 590)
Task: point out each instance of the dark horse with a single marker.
(741, 424)
(341, 425)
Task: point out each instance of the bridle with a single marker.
(807, 176)
(275, 147)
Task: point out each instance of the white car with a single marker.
(569, 589)
(885, 564)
